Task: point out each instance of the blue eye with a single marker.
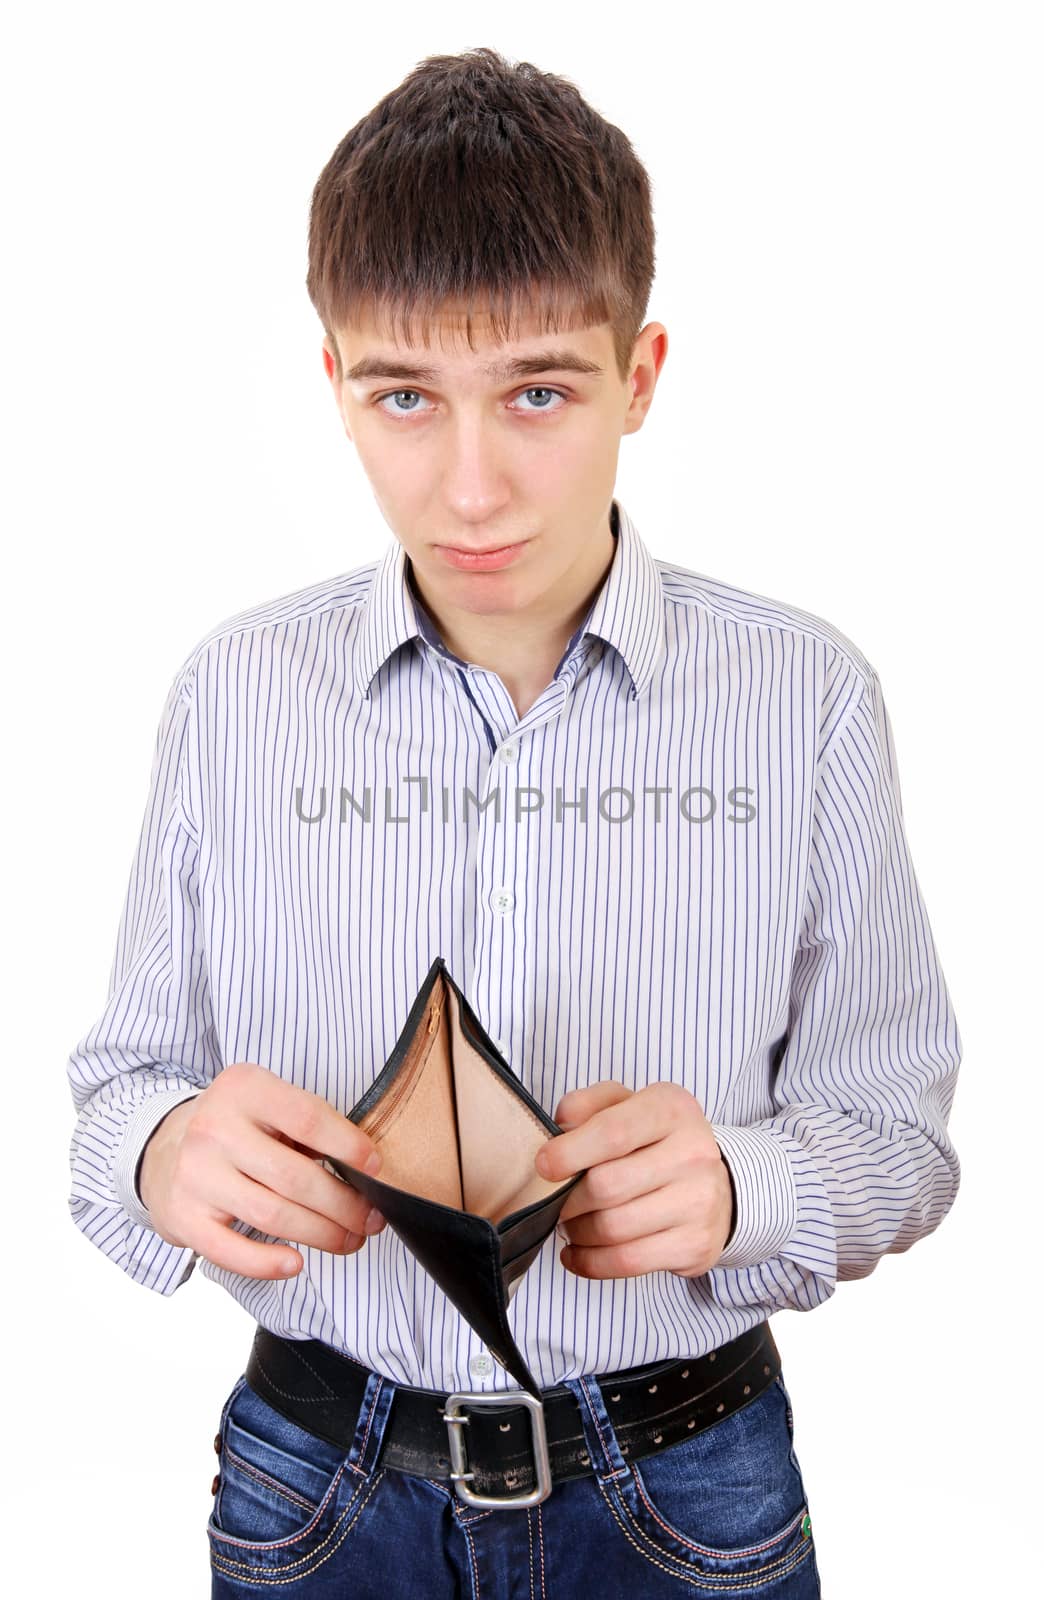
(414, 407)
(540, 389)
(409, 411)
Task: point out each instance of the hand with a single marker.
(657, 1195)
(248, 1147)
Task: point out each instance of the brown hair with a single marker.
(478, 177)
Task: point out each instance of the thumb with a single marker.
(579, 1104)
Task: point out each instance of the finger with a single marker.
(306, 1118)
(579, 1104)
(291, 1144)
(286, 1170)
(626, 1123)
(218, 1242)
(262, 1208)
(658, 1252)
(636, 1219)
(574, 1109)
(613, 1182)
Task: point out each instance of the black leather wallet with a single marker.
(458, 1133)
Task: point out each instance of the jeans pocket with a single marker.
(279, 1486)
(727, 1503)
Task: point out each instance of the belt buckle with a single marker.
(454, 1419)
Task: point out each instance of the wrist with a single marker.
(154, 1148)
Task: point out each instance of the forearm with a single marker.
(154, 1043)
(822, 1195)
(851, 1158)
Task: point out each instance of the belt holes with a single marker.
(711, 1356)
(721, 1405)
(766, 1369)
(746, 1388)
(614, 1397)
(505, 1427)
(691, 1423)
(585, 1459)
(685, 1374)
(657, 1438)
(652, 1388)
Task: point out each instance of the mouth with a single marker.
(487, 560)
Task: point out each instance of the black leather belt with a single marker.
(504, 1463)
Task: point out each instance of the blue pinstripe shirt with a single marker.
(686, 861)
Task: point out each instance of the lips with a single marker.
(465, 550)
(487, 560)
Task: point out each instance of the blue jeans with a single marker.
(722, 1512)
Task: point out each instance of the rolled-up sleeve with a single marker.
(855, 1161)
(154, 1044)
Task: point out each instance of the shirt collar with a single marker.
(627, 612)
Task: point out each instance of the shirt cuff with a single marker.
(141, 1125)
(765, 1194)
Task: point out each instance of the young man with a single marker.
(653, 824)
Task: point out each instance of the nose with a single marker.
(474, 482)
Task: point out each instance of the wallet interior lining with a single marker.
(456, 1133)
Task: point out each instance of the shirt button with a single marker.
(501, 899)
(481, 1366)
(509, 752)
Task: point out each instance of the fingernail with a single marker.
(373, 1221)
(373, 1166)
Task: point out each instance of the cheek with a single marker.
(396, 473)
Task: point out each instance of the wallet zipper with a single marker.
(389, 1110)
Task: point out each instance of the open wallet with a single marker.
(458, 1133)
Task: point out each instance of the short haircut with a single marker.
(492, 186)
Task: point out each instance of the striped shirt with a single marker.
(685, 862)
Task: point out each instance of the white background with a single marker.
(848, 210)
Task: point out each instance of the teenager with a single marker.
(653, 824)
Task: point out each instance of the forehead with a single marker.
(441, 345)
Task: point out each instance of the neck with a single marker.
(524, 648)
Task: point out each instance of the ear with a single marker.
(336, 383)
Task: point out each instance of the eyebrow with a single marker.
(500, 371)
